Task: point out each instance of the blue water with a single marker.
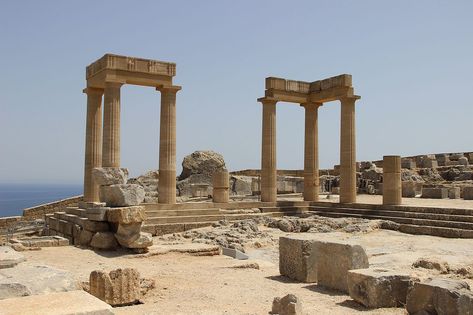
(15, 197)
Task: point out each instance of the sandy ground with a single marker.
(188, 284)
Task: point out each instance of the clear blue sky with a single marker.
(411, 61)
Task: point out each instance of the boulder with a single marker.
(59, 303)
(288, 305)
(297, 258)
(127, 215)
(122, 195)
(117, 288)
(437, 296)
(144, 240)
(104, 176)
(85, 237)
(335, 259)
(25, 280)
(128, 233)
(201, 162)
(104, 240)
(9, 257)
(376, 288)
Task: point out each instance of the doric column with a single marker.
(392, 187)
(93, 142)
(268, 152)
(111, 125)
(167, 145)
(347, 151)
(311, 152)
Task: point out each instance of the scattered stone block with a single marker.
(408, 189)
(288, 305)
(235, 253)
(437, 296)
(9, 257)
(333, 261)
(408, 163)
(97, 214)
(117, 288)
(454, 193)
(434, 193)
(376, 288)
(104, 240)
(105, 176)
(58, 303)
(468, 193)
(429, 263)
(122, 195)
(297, 258)
(463, 161)
(429, 163)
(26, 280)
(127, 215)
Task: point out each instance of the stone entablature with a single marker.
(131, 64)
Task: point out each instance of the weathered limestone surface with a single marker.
(288, 305)
(126, 215)
(97, 213)
(297, 258)
(119, 287)
(122, 195)
(334, 260)
(377, 288)
(26, 280)
(77, 302)
(439, 296)
(435, 193)
(9, 257)
(105, 176)
(104, 240)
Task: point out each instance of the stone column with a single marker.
(220, 186)
(347, 151)
(311, 152)
(93, 142)
(167, 145)
(268, 152)
(111, 125)
(392, 187)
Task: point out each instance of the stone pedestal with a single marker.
(311, 153)
(268, 154)
(111, 125)
(167, 145)
(392, 187)
(220, 186)
(93, 142)
(347, 151)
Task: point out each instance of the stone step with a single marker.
(185, 219)
(76, 211)
(285, 209)
(190, 212)
(423, 227)
(407, 214)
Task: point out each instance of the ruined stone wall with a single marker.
(39, 211)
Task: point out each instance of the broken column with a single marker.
(118, 288)
(221, 186)
(392, 189)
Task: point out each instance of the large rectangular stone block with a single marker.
(468, 193)
(297, 256)
(335, 259)
(454, 193)
(377, 288)
(434, 193)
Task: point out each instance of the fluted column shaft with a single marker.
(111, 125)
(347, 151)
(167, 146)
(311, 152)
(268, 152)
(392, 187)
(93, 142)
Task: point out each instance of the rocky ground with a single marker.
(176, 281)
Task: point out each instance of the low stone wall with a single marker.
(39, 211)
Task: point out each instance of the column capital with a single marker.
(352, 98)
(168, 88)
(92, 90)
(267, 100)
(113, 84)
(311, 104)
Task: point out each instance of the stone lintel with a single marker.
(332, 94)
(131, 65)
(287, 96)
(127, 77)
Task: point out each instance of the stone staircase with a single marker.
(444, 222)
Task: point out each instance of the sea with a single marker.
(15, 197)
